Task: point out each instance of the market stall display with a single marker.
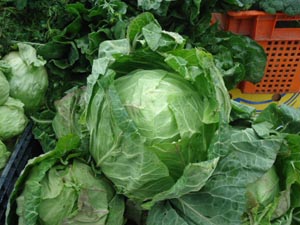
(139, 113)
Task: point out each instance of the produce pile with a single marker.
(130, 103)
(23, 81)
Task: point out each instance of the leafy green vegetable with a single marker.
(241, 113)
(231, 5)
(65, 33)
(59, 187)
(43, 130)
(189, 18)
(4, 155)
(290, 7)
(17, 26)
(72, 46)
(136, 116)
(244, 157)
(4, 89)
(67, 118)
(69, 111)
(13, 120)
(284, 118)
(263, 191)
(27, 76)
(280, 208)
(238, 57)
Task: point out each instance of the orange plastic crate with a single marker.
(279, 35)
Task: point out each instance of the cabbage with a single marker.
(4, 155)
(70, 194)
(152, 113)
(150, 129)
(4, 89)
(153, 99)
(12, 120)
(27, 76)
(60, 187)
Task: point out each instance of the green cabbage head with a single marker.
(153, 108)
(166, 110)
(4, 89)
(61, 187)
(70, 194)
(13, 119)
(27, 76)
(151, 128)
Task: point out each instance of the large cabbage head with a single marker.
(151, 128)
(153, 109)
(12, 120)
(168, 112)
(27, 76)
(4, 89)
